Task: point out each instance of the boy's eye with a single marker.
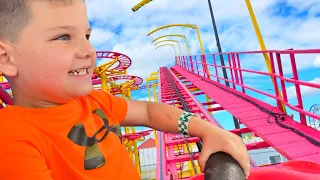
(63, 37)
(88, 36)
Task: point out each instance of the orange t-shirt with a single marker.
(78, 140)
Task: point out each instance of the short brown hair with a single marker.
(15, 15)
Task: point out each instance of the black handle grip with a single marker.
(222, 166)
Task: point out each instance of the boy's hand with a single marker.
(216, 139)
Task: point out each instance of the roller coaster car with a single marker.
(222, 166)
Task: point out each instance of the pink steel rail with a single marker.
(291, 139)
(5, 97)
(166, 164)
(234, 66)
(190, 63)
(124, 62)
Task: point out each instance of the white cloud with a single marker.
(142, 64)
(316, 62)
(100, 36)
(302, 4)
(305, 90)
(126, 31)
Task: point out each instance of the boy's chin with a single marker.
(81, 91)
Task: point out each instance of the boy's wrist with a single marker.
(199, 127)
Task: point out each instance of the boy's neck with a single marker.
(26, 101)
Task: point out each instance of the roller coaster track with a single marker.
(296, 141)
(277, 130)
(124, 62)
(5, 85)
(293, 139)
(137, 80)
(5, 97)
(115, 87)
(173, 92)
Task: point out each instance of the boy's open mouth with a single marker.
(79, 72)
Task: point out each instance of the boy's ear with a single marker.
(7, 66)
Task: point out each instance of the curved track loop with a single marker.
(137, 80)
(5, 97)
(136, 135)
(94, 76)
(135, 84)
(123, 60)
(5, 85)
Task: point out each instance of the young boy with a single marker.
(59, 127)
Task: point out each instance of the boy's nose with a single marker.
(86, 50)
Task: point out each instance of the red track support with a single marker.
(169, 96)
(303, 152)
(284, 140)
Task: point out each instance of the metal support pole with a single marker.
(218, 43)
(236, 122)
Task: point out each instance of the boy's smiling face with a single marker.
(48, 52)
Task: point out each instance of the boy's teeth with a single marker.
(79, 72)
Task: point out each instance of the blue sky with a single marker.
(284, 24)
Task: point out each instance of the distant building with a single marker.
(147, 157)
(263, 156)
(266, 156)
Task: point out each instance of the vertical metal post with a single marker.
(218, 43)
(236, 122)
(303, 119)
(261, 42)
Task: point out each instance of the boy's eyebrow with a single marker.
(65, 27)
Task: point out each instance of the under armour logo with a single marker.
(93, 157)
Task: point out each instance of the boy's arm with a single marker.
(161, 117)
(165, 118)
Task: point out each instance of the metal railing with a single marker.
(201, 65)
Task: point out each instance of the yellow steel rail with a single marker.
(175, 52)
(192, 26)
(171, 41)
(140, 5)
(262, 45)
(175, 35)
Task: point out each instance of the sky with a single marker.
(284, 24)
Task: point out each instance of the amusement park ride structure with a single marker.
(298, 142)
(196, 75)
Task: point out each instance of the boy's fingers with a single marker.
(244, 159)
(246, 168)
(202, 160)
(206, 152)
(240, 154)
(244, 162)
